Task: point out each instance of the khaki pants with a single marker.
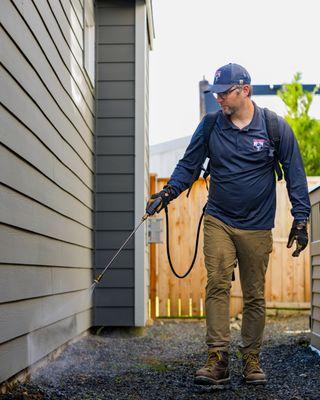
(224, 246)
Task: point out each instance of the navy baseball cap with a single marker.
(228, 76)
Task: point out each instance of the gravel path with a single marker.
(160, 365)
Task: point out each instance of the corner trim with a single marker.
(140, 275)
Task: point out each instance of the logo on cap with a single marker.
(217, 74)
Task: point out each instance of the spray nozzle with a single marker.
(98, 279)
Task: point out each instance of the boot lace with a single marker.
(252, 362)
(213, 358)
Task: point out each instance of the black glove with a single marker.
(300, 234)
(163, 198)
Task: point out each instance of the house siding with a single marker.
(46, 178)
(115, 157)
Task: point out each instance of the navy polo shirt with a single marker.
(242, 177)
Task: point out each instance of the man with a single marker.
(239, 215)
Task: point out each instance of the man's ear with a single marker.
(246, 90)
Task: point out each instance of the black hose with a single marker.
(195, 250)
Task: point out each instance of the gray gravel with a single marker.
(160, 364)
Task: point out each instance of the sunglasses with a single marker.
(225, 94)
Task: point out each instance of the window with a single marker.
(89, 39)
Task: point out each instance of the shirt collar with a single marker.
(255, 124)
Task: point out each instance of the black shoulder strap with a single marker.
(273, 130)
(209, 122)
(272, 124)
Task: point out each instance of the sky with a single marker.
(272, 39)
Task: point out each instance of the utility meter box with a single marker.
(155, 230)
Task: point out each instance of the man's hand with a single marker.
(300, 234)
(163, 197)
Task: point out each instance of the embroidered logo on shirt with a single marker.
(258, 144)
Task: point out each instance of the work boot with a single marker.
(252, 372)
(216, 370)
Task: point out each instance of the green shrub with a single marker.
(305, 128)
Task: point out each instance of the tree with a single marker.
(305, 128)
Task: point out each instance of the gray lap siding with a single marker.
(115, 149)
(46, 181)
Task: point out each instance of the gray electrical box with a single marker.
(155, 230)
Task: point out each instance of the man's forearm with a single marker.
(183, 177)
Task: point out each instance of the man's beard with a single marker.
(228, 111)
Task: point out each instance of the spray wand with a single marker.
(150, 211)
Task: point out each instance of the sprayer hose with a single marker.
(195, 250)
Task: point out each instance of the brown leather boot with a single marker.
(216, 369)
(252, 372)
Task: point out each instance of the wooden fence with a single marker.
(287, 279)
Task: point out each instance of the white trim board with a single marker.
(141, 275)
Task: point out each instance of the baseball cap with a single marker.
(228, 76)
